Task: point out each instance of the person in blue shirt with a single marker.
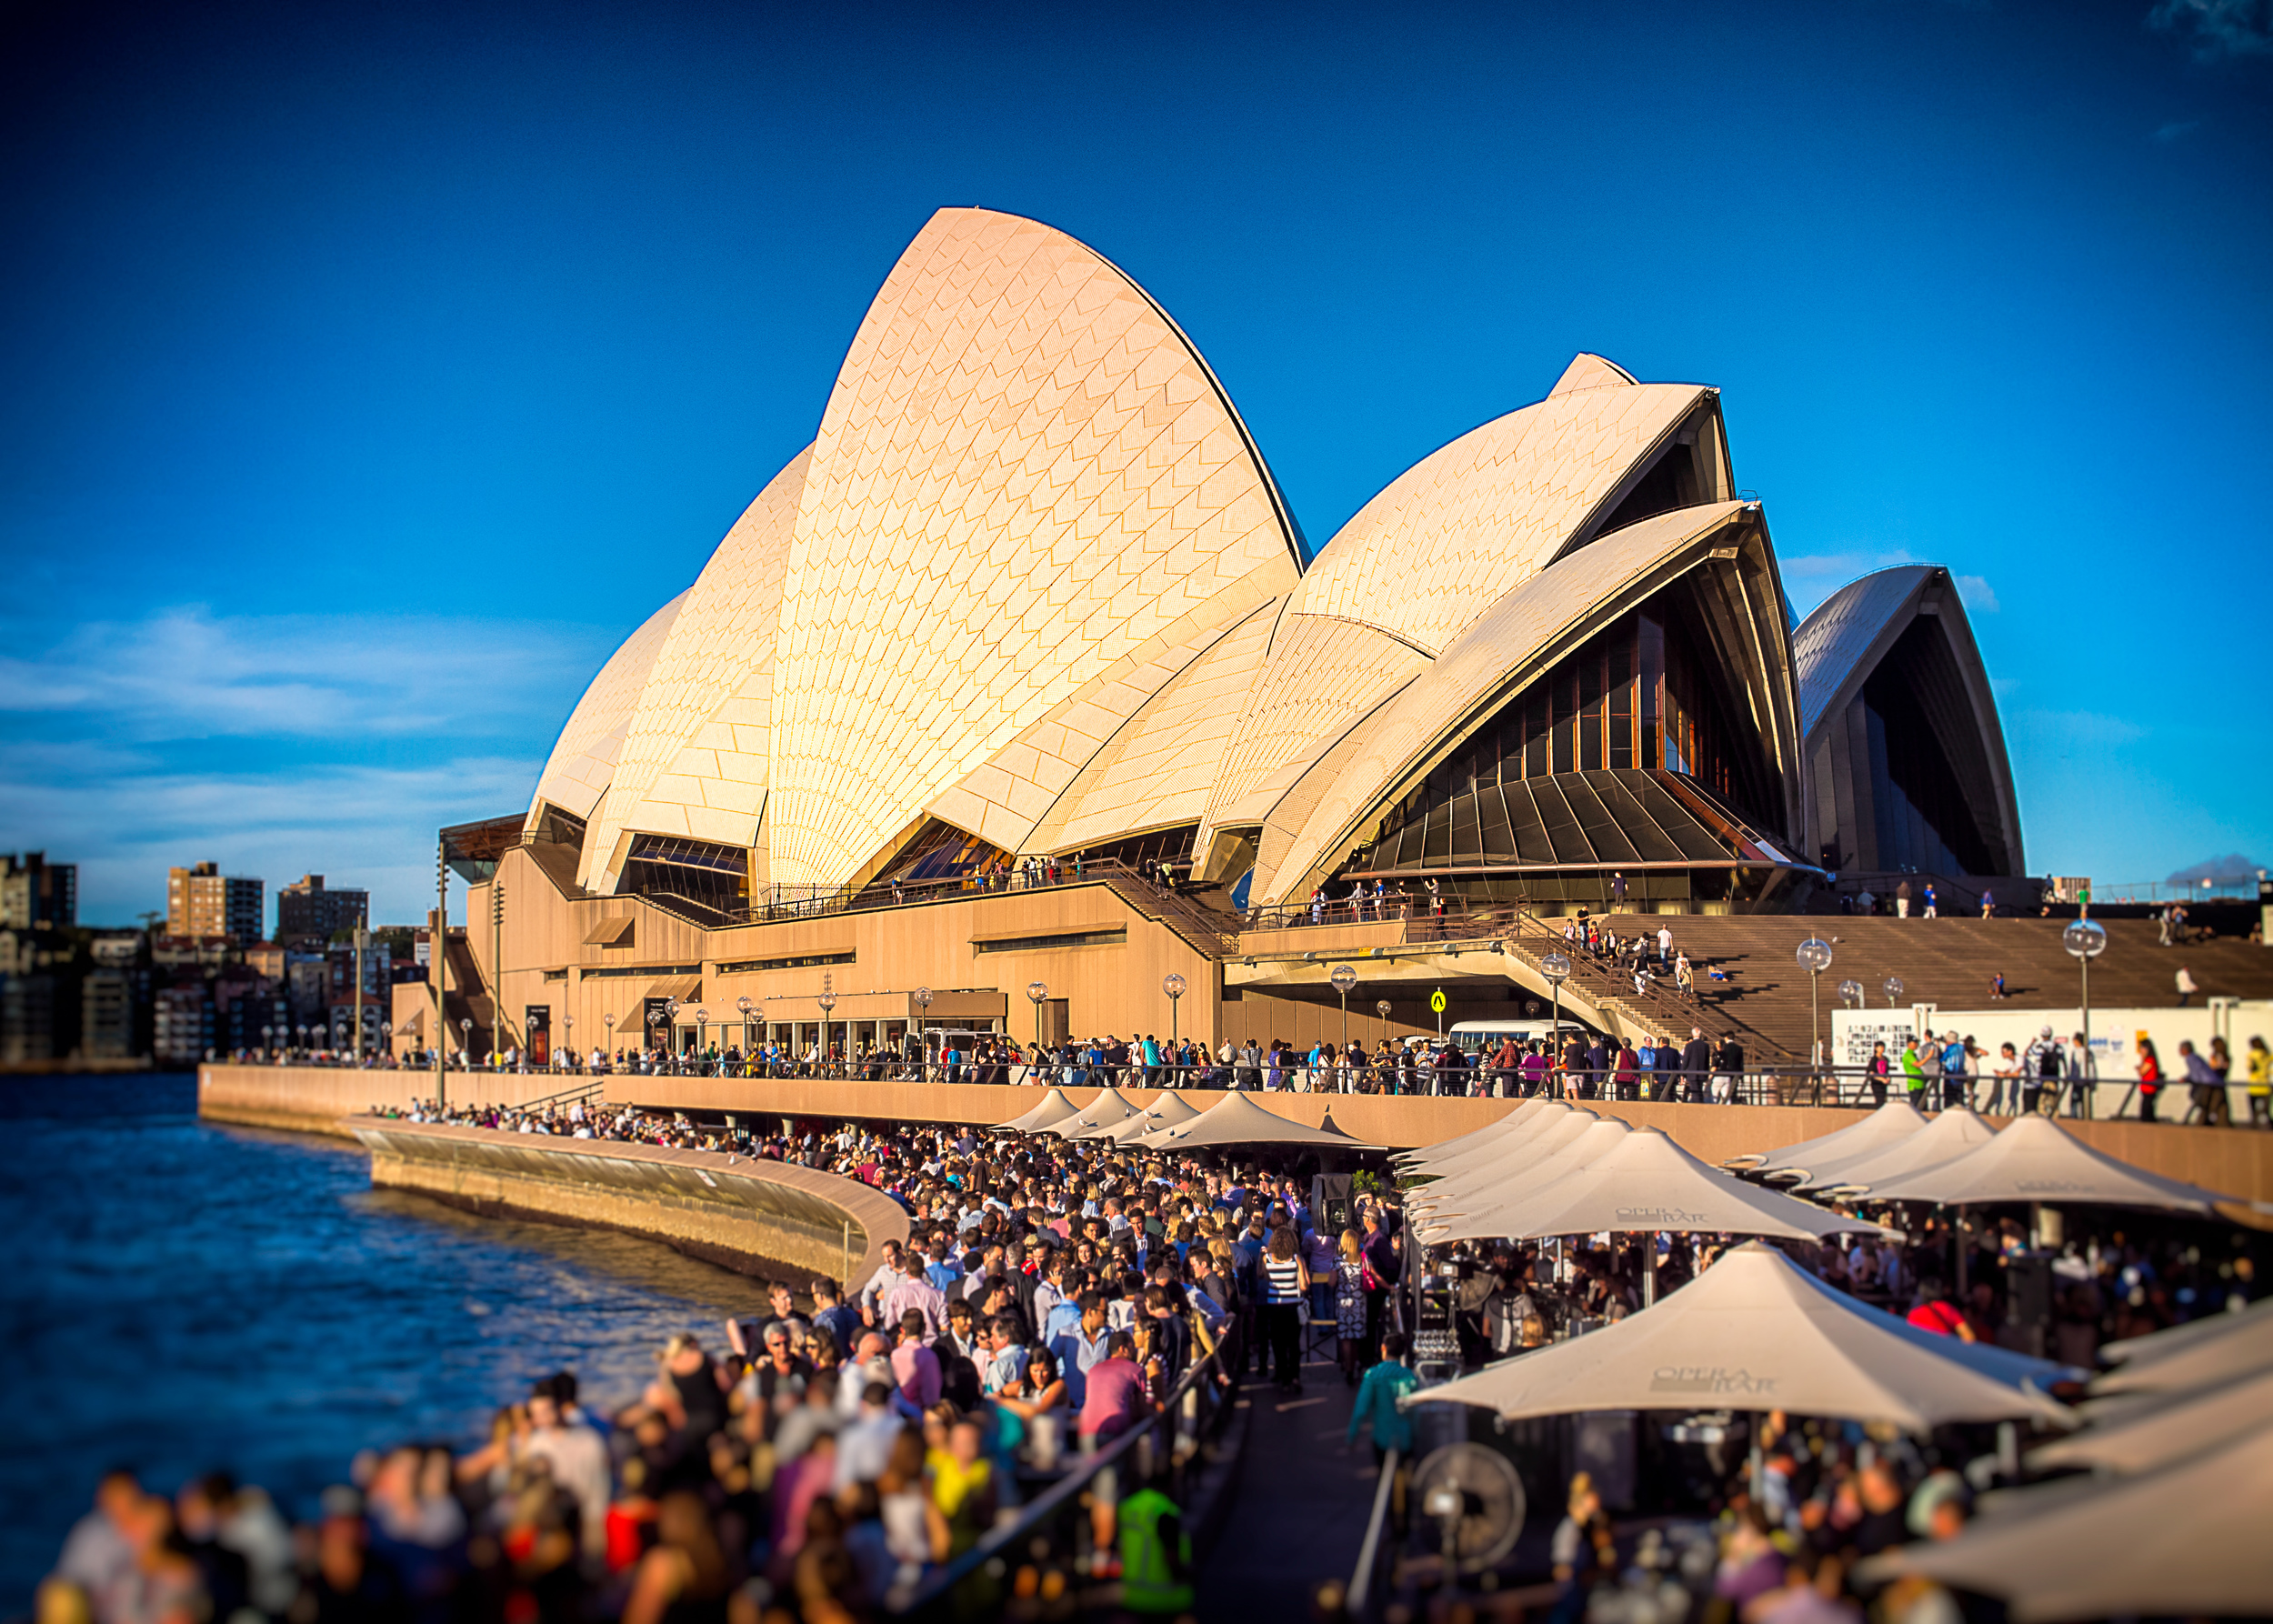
(1956, 1084)
(1376, 1403)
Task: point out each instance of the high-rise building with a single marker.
(309, 915)
(203, 901)
(36, 893)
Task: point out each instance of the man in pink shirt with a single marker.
(914, 1366)
(1115, 1399)
(917, 1295)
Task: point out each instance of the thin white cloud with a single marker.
(2065, 730)
(1978, 595)
(185, 673)
(2178, 130)
(2218, 28)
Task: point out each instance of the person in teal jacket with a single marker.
(1377, 1394)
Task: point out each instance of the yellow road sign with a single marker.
(1437, 1000)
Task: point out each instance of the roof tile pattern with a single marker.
(693, 757)
(1024, 475)
(1322, 674)
(1446, 538)
(576, 774)
(1831, 642)
(1157, 770)
(1523, 633)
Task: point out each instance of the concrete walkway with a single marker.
(1299, 1513)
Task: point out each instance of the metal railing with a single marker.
(1186, 1419)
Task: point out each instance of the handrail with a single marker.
(1360, 1598)
(1004, 1536)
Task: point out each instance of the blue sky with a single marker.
(368, 372)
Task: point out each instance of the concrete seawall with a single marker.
(316, 1099)
(757, 1218)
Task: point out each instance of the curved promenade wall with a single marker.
(753, 1217)
(314, 1098)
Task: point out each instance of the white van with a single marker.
(1481, 1039)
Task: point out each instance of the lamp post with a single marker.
(465, 1041)
(386, 1037)
(701, 1026)
(1851, 993)
(744, 1005)
(655, 1020)
(363, 940)
(921, 998)
(437, 961)
(267, 1040)
(608, 1045)
(553, 1060)
(1344, 978)
(2086, 939)
(828, 1001)
(1814, 957)
(1556, 967)
(1036, 991)
(1892, 987)
(1175, 987)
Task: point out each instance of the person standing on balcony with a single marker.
(1618, 892)
(2187, 986)
(1695, 1060)
(1933, 910)
(1902, 900)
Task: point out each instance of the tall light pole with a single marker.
(1036, 991)
(1344, 978)
(828, 1001)
(921, 998)
(438, 950)
(363, 940)
(748, 1043)
(1814, 957)
(1556, 967)
(1175, 987)
(2086, 939)
(701, 1026)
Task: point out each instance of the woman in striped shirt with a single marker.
(1285, 1281)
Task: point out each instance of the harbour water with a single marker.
(182, 1297)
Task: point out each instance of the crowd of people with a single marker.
(825, 1455)
(841, 1445)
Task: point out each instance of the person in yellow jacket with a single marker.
(2260, 1084)
(1155, 1556)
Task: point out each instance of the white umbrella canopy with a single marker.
(2186, 1541)
(2242, 1345)
(1890, 1124)
(1485, 1211)
(1949, 1135)
(1168, 1111)
(1053, 1109)
(1756, 1331)
(2036, 1159)
(1424, 1160)
(1108, 1109)
(1496, 1167)
(1646, 1182)
(1238, 1120)
(2158, 1345)
(2166, 1429)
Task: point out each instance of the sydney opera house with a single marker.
(1030, 602)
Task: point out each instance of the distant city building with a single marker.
(309, 915)
(183, 1025)
(35, 893)
(202, 901)
(106, 1014)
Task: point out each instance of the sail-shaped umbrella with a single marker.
(1053, 1109)
(1108, 1109)
(2036, 1159)
(1890, 1124)
(1948, 1136)
(1170, 1109)
(1238, 1120)
(1756, 1331)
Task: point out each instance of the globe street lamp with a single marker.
(1035, 992)
(1556, 967)
(743, 1004)
(1344, 977)
(1851, 993)
(1814, 957)
(465, 1041)
(1382, 1008)
(828, 1001)
(1175, 987)
(2086, 939)
(1892, 987)
(921, 998)
(701, 1026)
(608, 1020)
